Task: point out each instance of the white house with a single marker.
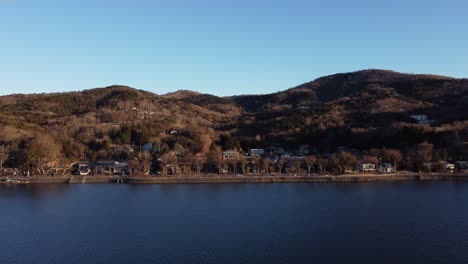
(366, 167)
(441, 164)
(230, 155)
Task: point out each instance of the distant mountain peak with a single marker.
(381, 75)
(181, 94)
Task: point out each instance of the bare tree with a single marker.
(296, 167)
(370, 159)
(225, 166)
(133, 164)
(4, 154)
(243, 162)
(215, 156)
(344, 161)
(199, 162)
(233, 162)
(255, 162)
(186, 163)
(145, 162)
(392, 156)
(280, 164)
(310, 162)
(41, 151)
(321, 164)
(425, 151)
(266, 165)
(168, 159)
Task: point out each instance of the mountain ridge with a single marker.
(364, 109)
(181, 91)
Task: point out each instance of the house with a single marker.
(171, 169)
(256, 152)
(419, 118)
(230, 155)
(386, 168)
(81, 168)
(462, 166)
(422, 119)
(148, 147)
(9, 171)
(366, 167)
(450, 167)
(439, 166)
(100, 167)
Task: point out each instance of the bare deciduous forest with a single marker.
(377, 116)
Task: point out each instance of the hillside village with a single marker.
(148, 160)
(373, 121)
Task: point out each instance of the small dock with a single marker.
(77, 179)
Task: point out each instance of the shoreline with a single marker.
(219, 179)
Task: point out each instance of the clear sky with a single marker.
(222, 47)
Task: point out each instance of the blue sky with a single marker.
(222, 47)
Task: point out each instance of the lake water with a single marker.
(407, 222)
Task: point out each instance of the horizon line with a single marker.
(232, 95)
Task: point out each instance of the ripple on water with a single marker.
(258, 223)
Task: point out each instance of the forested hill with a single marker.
(364, 109)
(360, 109)
(87, 124)
(378, 83)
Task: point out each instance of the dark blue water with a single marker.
(240, 223)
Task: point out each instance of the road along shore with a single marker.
(147, 179)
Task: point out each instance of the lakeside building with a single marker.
(366, 167)
(441, 165)
(422, 119)
(256, 152)
(386, 168)
(147, 147)
(462, 166)
(9, 172)
(100, 167)
(230, 155)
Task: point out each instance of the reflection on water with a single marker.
(34, 191)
